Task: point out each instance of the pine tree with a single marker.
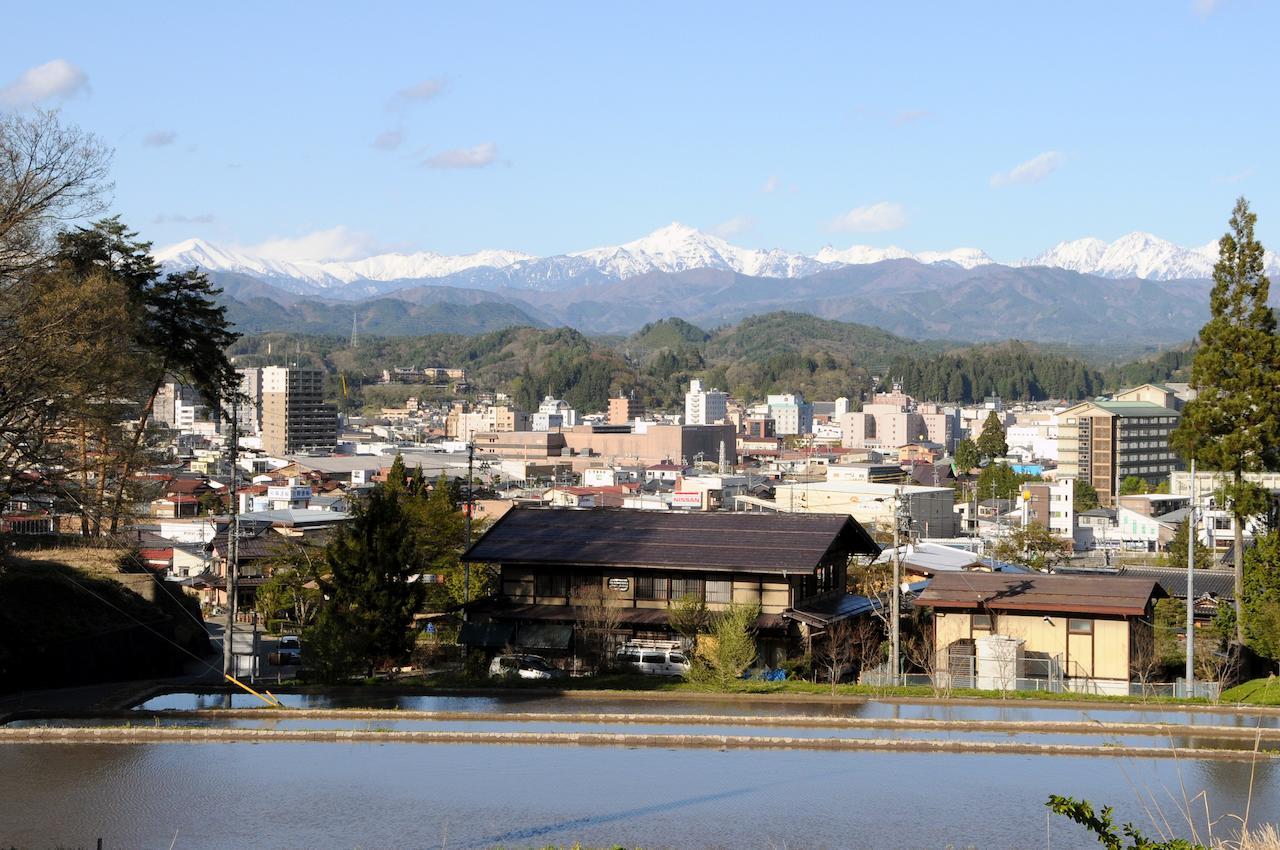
(371, 599)
(1232, 425)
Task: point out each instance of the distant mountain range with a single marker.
(672, 249)
(1136, 291)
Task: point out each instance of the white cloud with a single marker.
(159, 138)
(873, 218)
(910, 116)
(421, 92)
(1032, 171)
(179, 218)
(1205, 8)
(476, 157)
(56, 79)
(771, 185)
(733, 227)
(1236, 178)
(336, 243)
(388, 141)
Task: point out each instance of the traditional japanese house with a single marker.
(551, 563)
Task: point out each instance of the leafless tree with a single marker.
(1144, 660)
(601, 616)
(834, 650)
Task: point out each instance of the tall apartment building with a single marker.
(1105, 442)
(892, 420)
(790, 413)
(248, 409)
(622, 410)
(704, 407)
(295, 418)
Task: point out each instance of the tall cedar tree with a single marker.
(991, 442)
(1233, 425)
(370, 598)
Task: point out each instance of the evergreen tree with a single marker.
(998, 481)
(991, 442)
(371, 600)
(1084, 495)
(1232, 425)
(967, 456)
(1176, 553)
(1132, 485)
(1260, 606)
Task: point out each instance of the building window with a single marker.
(719, 591)
(651, 589)
(1080, 627)
(982, 622)
(548, 585)
(682, 587)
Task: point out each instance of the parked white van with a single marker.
(653, 658)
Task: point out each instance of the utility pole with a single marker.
(466, 566)
(1190, 674)
(895, 604)
(233, 546)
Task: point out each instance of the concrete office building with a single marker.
(1105, 442)
(704, 407)
(791, 414)
(295, 418)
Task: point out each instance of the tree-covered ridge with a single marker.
(1014, 371)
(773, 353)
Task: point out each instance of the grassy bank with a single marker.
(1255, 692)
(659, 685)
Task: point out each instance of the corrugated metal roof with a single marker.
(1037, 592)
(746, 542)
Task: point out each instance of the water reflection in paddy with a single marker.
(534, 702)
(466, 796)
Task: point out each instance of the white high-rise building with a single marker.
(790, 413)
(704, 407)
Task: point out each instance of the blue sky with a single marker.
(336, 130)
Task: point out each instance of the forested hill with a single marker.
(1013, 371)
(776, 352)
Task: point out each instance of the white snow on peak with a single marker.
(675, 248)
(678, 247)
(382, 267)
(1137, 254)
(857, 255)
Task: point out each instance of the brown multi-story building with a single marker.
(295, 418)
(587, 444)
(623, 410)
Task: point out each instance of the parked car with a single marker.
(288, 651)
(522, 667)
(654, 660)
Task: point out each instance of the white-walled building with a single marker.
(704, 407)
(791, 414)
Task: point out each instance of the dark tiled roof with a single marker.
(747, 542)
(1036, 592)
(1219, 583)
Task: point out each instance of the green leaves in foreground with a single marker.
(1103, 827)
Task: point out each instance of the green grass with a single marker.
(1255, 692)
(673, 686)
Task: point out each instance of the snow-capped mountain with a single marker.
(383, 267)
(1135, 255)
(858, 255)
(671, 249)
(677, 248)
